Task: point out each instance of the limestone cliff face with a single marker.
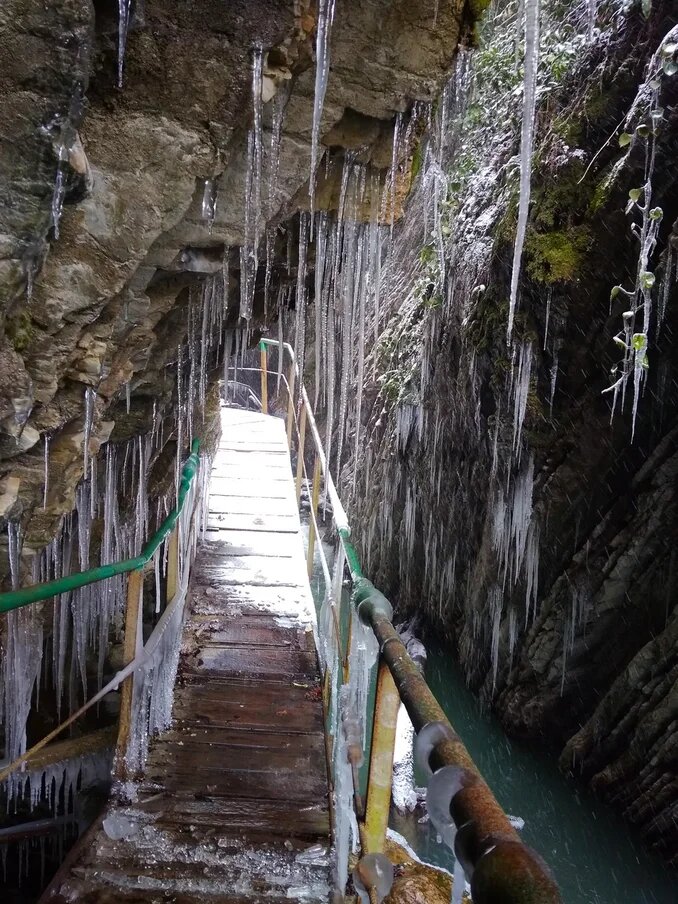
(495, 493)
(102, 224)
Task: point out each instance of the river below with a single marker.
(593, 855)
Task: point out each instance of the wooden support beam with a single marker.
(132, 626)
(92, 742)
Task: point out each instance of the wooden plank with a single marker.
(296, 782)
(285, 524)
(252, 570)
(268, 505)
(249, 817)
(250, 709)
(244, 661)
(246, 599)
(217, 743)
(256, 458)
(249, 630)
(262, 443)
(242, 816)
(246, 486)
(250, 543)
(87, 889)
(240, 470)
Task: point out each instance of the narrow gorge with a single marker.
(463, 217)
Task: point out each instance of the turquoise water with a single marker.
(592, 854)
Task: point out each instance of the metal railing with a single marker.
(159, 653)
(498, 865)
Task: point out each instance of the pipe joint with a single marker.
(370, 602)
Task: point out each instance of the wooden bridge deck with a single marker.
(233, 805)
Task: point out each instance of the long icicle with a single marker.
(526, 144)
(322, 68)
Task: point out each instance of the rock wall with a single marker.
(105, 159)
(497, 493)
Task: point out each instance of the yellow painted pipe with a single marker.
(386, 708)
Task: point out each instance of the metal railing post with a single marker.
(290, 404)
(264, 378)
(300, 451)
(133, 614)
(380, 776)
(315, 496)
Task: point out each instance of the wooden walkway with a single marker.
(233, 806)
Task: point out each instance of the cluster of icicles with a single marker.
(85, 621)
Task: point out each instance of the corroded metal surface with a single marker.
(233, 803)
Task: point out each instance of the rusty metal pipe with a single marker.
(504, 870)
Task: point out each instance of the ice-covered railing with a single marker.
(147, 678)
(356, 633)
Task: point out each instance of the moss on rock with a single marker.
(558, 256)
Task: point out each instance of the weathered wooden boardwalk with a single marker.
(233, 806)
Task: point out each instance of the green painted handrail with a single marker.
(15, 599)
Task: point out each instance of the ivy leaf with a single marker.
(634, 194)
(643, 130)
(639, 341)
(670, 68)
(647, 279)
(615, 291)
(656, 213)
(669, 49)
(646, 6)
(645, 363)
(624, 139)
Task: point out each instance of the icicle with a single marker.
(14, 542)
(249, 249)
(526, 145)
(300, 309)
(123, 26)
(158, 592)
(666, 286)
(322, 69)
(90, 397)
(21, 663)
(554, 377)
(209, 203)
(45, 489)
(59, 190)
(274, 155)
(320, 243)
(521, 389)
(549, 297)
(361, 290)
(592, 11)
(180, 425)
